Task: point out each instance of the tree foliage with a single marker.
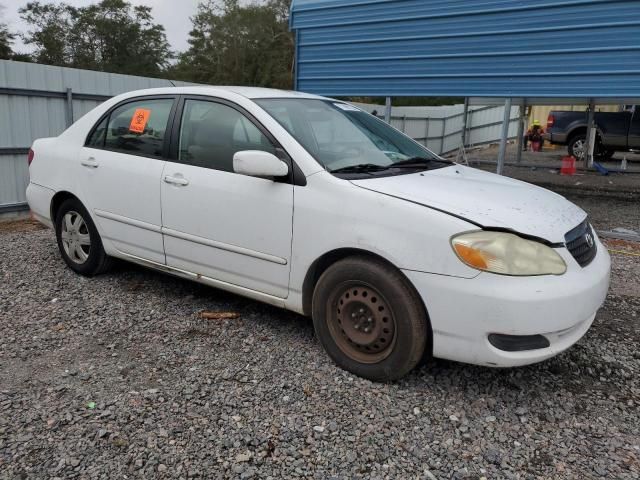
(111, 36)
(239, 44)
(5, 39)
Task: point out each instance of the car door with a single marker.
(216, 223)
(122, 165)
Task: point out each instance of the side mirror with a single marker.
(256, 163)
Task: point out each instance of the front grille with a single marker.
(581, 243)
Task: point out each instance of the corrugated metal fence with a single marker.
(42, 101)
(440, 128)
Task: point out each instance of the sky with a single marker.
(172, 14)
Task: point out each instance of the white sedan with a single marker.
(315, 206)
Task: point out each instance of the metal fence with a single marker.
(440, 128)
(41, 101)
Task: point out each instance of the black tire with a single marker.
(97, 261)
(606, 154)
(576, 146)
(394, 315)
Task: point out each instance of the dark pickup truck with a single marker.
(616, 131)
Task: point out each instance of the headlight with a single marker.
(507, 254)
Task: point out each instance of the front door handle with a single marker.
(181, 181)
(89, 162)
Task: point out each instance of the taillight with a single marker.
(30, 156)
(550, 121)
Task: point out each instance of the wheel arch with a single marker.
(57, 201)
(582, 129)
(322, 263)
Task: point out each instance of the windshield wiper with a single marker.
(360, 168)
(416, 162)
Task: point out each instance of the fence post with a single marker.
(588, 147)
(387, 110)
(404, 123)
(69, 108)
(465, 114)
(444, 129)
(426, 133)
(505, 134)
(523, 109)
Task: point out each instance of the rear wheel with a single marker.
(78, 239)
(369, 319)
(577, 146)
(606, 154)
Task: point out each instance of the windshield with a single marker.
(340, 136)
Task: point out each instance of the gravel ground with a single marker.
(543, 169)
(609, 213)
(117, 377)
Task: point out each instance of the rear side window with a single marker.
(211, 133)
(96, 140)
(138, 127)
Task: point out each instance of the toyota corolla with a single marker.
(315, 206)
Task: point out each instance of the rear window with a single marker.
(137, 127)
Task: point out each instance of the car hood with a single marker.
(486, 199)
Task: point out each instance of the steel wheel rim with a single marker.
(75, 236)
(578, 148)
(361, 322)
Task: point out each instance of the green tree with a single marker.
(239, 44)
(5, 39)
(50, 25)
(111, 36)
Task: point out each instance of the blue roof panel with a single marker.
(488, 48)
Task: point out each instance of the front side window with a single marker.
(139, 127)
(341, 137)
(211, 133)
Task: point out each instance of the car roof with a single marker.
(248, 92)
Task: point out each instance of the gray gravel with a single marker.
(175, 396)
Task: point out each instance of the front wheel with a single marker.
(369, 319)
(78, 239)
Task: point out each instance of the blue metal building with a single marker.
(534, 49)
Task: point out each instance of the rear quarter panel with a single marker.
(56, 163)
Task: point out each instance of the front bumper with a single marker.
(464, 312)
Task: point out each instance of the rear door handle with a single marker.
(89, 162)
(181, 181)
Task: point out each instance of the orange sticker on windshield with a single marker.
(139, 120)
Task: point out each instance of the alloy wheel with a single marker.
(75, 237)
(579, 148)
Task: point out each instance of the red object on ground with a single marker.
(568, 165)
(536, 146)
